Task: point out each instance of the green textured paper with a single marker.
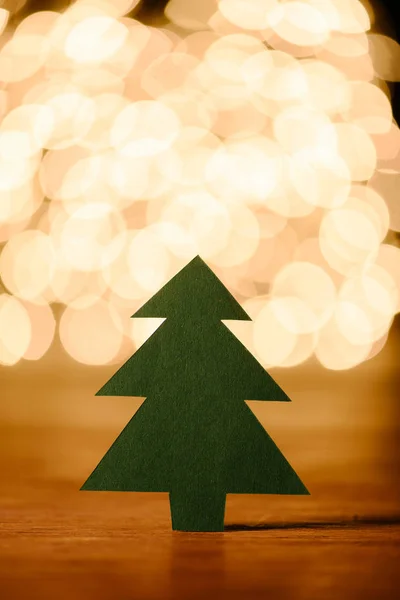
(194, 436)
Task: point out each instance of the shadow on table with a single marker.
(354, 523)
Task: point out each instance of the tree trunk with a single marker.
(196, 509)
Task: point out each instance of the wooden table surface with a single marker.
(341, 433)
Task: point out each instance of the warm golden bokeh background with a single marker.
(129, 142)
(258, 134)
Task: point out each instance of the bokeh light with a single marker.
(15, 330)
(91, 335)
(256, 133)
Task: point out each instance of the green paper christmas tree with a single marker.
(194, 436)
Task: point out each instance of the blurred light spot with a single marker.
(242, 241)
(272, 341)
(91, 336)
(334, 351)
(385, 54)
(386, 183)
(326, 87)
(86, 239)
(144, 128)
(22, 57)
(43, 327)
(195, 223)
(148, 260)
(95, 39)
(357, 149)
(15, 330)
(320, 180)
(252, 14)
(276, 76)
(69, 285)
(348, 237)
(374, 292)
(388, 258)
(302, 23)
(168, 72)
(352, 16)
(19, 203)
(27, 263)
(370, 108)
(193, 15)
(29, 126)
(73, 115)
(4, 16)
(308, 283)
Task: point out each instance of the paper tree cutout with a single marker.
(194, 436)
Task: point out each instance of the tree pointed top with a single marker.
(194, 293)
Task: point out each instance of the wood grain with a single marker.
(60, 545)
(341, 433)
